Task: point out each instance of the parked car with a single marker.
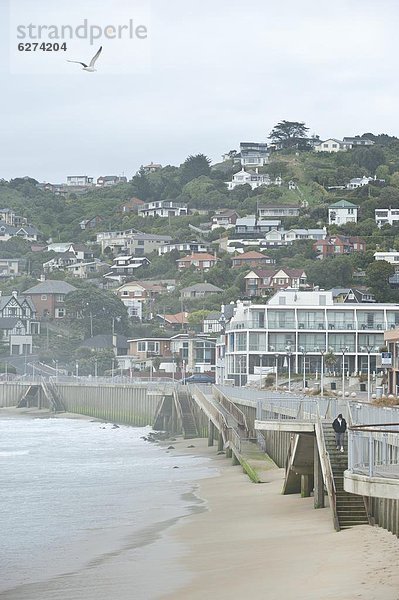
(198, 378)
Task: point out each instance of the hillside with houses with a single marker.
(143, 273)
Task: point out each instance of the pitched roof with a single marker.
(250, 255)
(51, 287)
(177, 319)
(343, 204)
(197, 256)
(8, 322)
(105, 341)
(202, 287)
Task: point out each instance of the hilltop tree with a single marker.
(288, 133)
(195, 166)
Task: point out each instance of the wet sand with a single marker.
(254, 542)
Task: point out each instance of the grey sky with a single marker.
(221, 72)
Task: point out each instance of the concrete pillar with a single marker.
(318, 479)
(220, 442)
(235, 460)
(211, 433)
(305, 486)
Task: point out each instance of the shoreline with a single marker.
(239, 538)
(252, 540)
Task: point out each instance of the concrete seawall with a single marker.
(132, 405)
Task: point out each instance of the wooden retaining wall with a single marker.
(385, 513)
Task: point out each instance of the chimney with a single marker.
(15, 294)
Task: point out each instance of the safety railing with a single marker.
(373, 450)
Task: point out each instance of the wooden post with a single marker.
(305, 486)
(211, 433)
(318, 479)
(220, 442)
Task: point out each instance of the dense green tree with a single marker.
(288, 133)
(195, 166)
(96, 311)
(377, 279)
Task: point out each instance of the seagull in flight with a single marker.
(89, 67)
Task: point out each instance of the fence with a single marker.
(373, 450)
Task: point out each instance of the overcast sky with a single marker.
(210, 74)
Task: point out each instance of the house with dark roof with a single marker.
(17, 323)
(200, 290)
(117, 343)
(261, 281)
(48, 297)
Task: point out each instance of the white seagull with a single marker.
(89, 67)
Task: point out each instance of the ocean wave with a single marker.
(13, 452)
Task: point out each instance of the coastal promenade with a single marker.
(257, 430)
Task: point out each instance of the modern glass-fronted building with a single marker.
(300, 326)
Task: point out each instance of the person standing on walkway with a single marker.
(339, 426)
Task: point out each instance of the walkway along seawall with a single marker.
(129, 404)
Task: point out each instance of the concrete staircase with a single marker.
(350, 508)
(182, 396)
(30, 397)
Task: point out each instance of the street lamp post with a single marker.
(289, 354)
(322, 353)
(95, 369)
(302, 349)
(368, 349)
(260, 370)
(77, 369)
(343, 350)
(276, 357)
(241, 359)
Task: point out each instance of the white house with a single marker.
(163, 208)
(332, 145)
(342, 212)
(358, 182)
(253, 154)
(386, 216)
(391, 256)
(80, 180)
(252, 178)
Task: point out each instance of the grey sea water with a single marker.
(84, 509)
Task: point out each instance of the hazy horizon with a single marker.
(210, 77)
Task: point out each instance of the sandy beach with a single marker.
(254, 542)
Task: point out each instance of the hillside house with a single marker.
(200, 261)
(163, 209)
(200, 290)
(386, 216)
(278, 211)
(251, 259)
(91, 223)
(80, 181)
(253, 179)
(338, 244)
(131, 242)
(252, 226)
(260, 282)
(110, 180)
(332, 145)
(225, 217)
(48, 298)
(342, 212)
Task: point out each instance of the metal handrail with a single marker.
(373, 450)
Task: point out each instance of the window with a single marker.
(125, 293)
(141, 346)
(60, 297)
(43, 297)
(59, 313)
